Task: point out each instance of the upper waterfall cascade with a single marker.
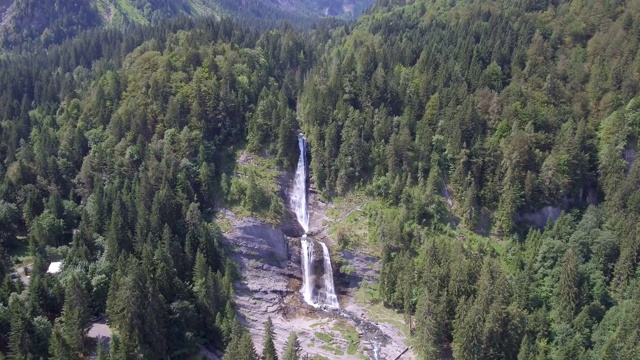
(314, 294)
(299, 194)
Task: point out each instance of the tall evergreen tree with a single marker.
(269, 349)
(293, 350)
(567, 291)
(71, 328)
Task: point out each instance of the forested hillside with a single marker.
(33, 23)
(113, 159)
(506, 107)
(459, 119)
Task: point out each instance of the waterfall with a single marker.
(330, 300)
(327, 295)
(307, 272)
(299, 195)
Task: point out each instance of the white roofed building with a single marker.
(54, 267)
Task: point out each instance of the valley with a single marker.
(468, 186)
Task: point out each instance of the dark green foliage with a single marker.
(115, 145)
(241, 346)
(504, 111)
(293, 351)
(118, 146)
(29, 23)
(268, 348)
(71, 328)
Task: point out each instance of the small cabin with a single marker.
(54, 267)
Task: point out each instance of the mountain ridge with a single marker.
(43, 24)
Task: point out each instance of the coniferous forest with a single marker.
(513, 122)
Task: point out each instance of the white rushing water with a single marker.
(327, 295)
(307, 272)
(330, 299)
(299, 194)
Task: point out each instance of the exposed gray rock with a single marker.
(365, 268)
(542, 216)
(630, 157)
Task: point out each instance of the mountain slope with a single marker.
(44, 23)
(510, 109)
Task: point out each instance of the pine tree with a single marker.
(42, 331)
(102, 352)
(269, 349)
(567, 292)
(234, 348)
(527, 349)
(247, 349)
(117, 351)
(166, 275)
(126, 304)
(200, 268)
(19, 337)
(430, 326)
(293, 351)
(71, 328)
(59, 345)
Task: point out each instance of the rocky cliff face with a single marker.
(269, 263)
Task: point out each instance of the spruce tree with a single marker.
(102, 352)
(71, 328)
(269, 349)
(234, 348)
(59, 346)
(527, 349)
(247, 349)
(430, 326)
(293, 351)
(567, 291)
(19, 336)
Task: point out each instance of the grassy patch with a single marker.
(254, 190)
(349, 221)
(350, 334)
(320, 357)
(332, 349)
(324, 336)
(129, 11)
(353, 348)
(223, 223)
(315, 325)
(368, 296)
(347, 330)
(368, 293)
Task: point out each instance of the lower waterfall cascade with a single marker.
(330, 299)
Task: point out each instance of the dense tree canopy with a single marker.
(477, 114)
(113, 163)
(458, 117)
